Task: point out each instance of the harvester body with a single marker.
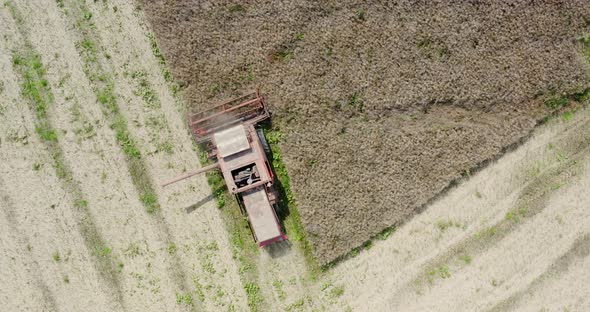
(228, 133)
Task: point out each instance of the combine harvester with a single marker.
(228, 133)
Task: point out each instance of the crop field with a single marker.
(380, 106)
(375, 112)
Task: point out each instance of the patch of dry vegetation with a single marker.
(381, 105)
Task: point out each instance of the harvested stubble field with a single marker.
(381, 106)
(91, 121)
(89, 126)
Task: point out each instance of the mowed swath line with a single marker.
(579, 250)
(99, 70)
(490, 246)
(39, 216)
(517, 260)
(100, 165)
(531, 202)
(18, 267)
(22, 275)
(492, 251)
(143, 85)
(39, 97)
(476, 203)
(566, 291)
(90, 48)
(242, 248)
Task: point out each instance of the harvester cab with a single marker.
(228, 133)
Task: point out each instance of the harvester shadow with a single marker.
(278, 249)
(282, 207)
(198, 204)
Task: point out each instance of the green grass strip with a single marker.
(287, 206)
(244, 250)
(35, 88)
(103, 86)
(96, 66)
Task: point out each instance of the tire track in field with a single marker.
(99, 164)
(8, 209)
(149, 92)
(271, 282)
(516, 261)
(531, 201)
(578, 250)
(398, 260)
(98, 70)
(43, 210)
(262, 275)
(29, 66)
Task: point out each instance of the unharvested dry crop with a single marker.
(382, 105)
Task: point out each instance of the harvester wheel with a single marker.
(265, 145)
